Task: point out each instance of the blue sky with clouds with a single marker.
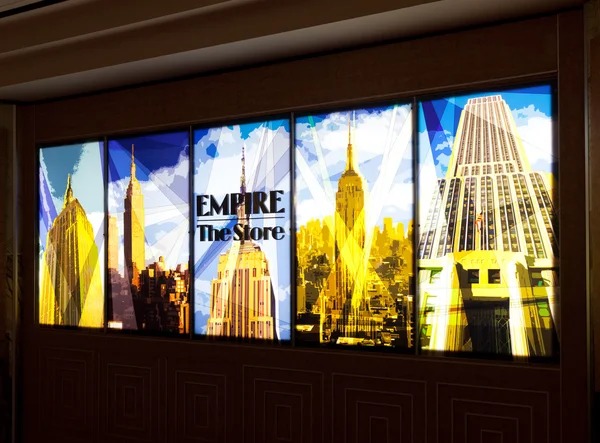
(382, 143)
(162, 168)
(531, 108)
(85, 164)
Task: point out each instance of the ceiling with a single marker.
(82, 46)
(6, 5)
(12, 7)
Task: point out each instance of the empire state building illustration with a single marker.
(353, 286)
(242, 302)
(145, 296)
(134, 239)
(349, 303)
(71, 289)
(488, 252)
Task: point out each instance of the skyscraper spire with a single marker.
(133, 177)
(349, 131)
(349, 153)
(134, 227)
(243, 176)
(68, 193)
(241, 209)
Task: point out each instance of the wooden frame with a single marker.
(96, 387)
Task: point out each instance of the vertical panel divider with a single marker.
(38, 240)
(107, 280)
(293, 258)
(16, 362)
(191, 231)
(416, 226)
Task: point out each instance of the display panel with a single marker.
(71, 235)
(242, 241)
(148, 233)
(488, 250)
(354, 228)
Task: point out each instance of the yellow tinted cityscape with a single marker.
(354, 287)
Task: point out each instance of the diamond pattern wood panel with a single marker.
(283, 405)
(480, 414)
(131, 396)
(378, 410)
(67, 407)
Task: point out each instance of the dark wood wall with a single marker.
(94, 387)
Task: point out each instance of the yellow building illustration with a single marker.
(134, 238)
(71, 292)
(488, 252)
(113, 243)
(353, 287)
(242, 302)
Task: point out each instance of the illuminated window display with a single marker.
(242, 241)
(354, 228)
(148, 233)
(71, 235)
(337, 260)
(488, 250)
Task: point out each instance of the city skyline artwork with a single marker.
(354, 228)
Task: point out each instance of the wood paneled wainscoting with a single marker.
(80, 386)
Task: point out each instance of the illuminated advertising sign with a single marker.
(71, 235)
(148, 233)
(331, 248)
(242, 235)
(354, 228)
(488, 247)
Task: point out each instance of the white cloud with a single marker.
(535, 130)
(448, 143)
(401, 196)
(87, 181)
(537, 140)
(443, 145)
(523, 115)
(443, 160)
(284, 293)
(306, 210)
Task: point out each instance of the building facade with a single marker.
(134, 240)
(488, 253)
(242, 302)
(113, 247)
(71, 292)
